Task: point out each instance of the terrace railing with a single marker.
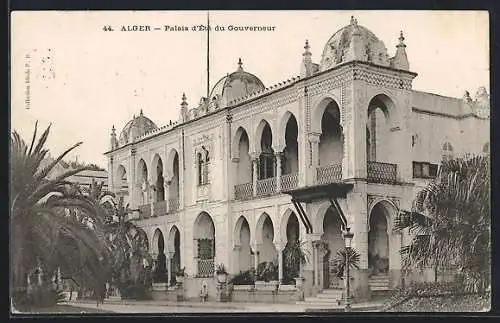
(329, 174)
(289, 181)
(266, 187)
(243, 191)
(381, 172)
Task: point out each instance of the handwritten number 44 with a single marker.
(107, 28)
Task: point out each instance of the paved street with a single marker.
(119, 306)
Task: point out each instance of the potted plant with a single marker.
(221, 272)
(295, 255)
(179, 275)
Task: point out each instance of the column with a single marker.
(169, 255)
(111, 179)
(314, 157)
(150, 195)
(166, 186)
(255, 249)
(132, 182)
(279, 155)
(279, 248)
(255, 172)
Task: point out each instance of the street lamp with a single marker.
(347, 235)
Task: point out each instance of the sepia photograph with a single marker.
(249, 162)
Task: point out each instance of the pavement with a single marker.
(152, 306)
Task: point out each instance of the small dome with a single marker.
(142, 125)
(235, 85)
(338, 45)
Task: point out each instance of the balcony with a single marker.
(243, 191)
(159, 208)
(266, 187)
(145, 211)
(381, 172)
(329, 174)
(173, 205)
(289, 181)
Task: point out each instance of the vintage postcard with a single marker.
(250, 161)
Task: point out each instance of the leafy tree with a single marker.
(450, 222)
(42, 233)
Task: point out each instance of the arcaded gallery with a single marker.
(254, 169)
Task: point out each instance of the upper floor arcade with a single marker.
(352, 120)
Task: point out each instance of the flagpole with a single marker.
(208, 54)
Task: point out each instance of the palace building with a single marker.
(254, 166)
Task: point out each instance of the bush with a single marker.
(136, 292)
(424, 289)
(38, 297)
(267, 271)
(244, 278)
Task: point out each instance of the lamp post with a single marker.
(347, 235)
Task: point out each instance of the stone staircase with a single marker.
(328, 298)
(380, 285)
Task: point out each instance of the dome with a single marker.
(141, 124)
(235, 85)
(338, 45)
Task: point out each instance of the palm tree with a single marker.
(294, 255)
(450, 222)
(41, 234)
(339, 262)
(129, 244)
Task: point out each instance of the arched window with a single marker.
(200, 162)
(203, 162)
(447, 151)
(486, 148)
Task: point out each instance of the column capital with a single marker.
(314, 136)
(278, 149)
(254, 155)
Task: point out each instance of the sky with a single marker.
(83, 80)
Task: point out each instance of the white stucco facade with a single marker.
(218, 173)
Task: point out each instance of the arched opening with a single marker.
(331, 140)
(447, 151)
(332, 235)
(121, 178)
(292, 251)
(204, 236)
(160, 263)
(142, 172)
(244, 165)
(266, 159)
(267, 250)
(378, 129)
(290, 164)
(244, 255)
(173, 189)
(202, 164)
(160, 189)
(378, 240)
(175, 252)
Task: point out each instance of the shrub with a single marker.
(136, 292)
(244, 278)
(267, 271)
(424, 289)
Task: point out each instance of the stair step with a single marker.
(383, 288)
(332, 291)
(329, 296)
(379, 278)
(379, 284)
(322, 302)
